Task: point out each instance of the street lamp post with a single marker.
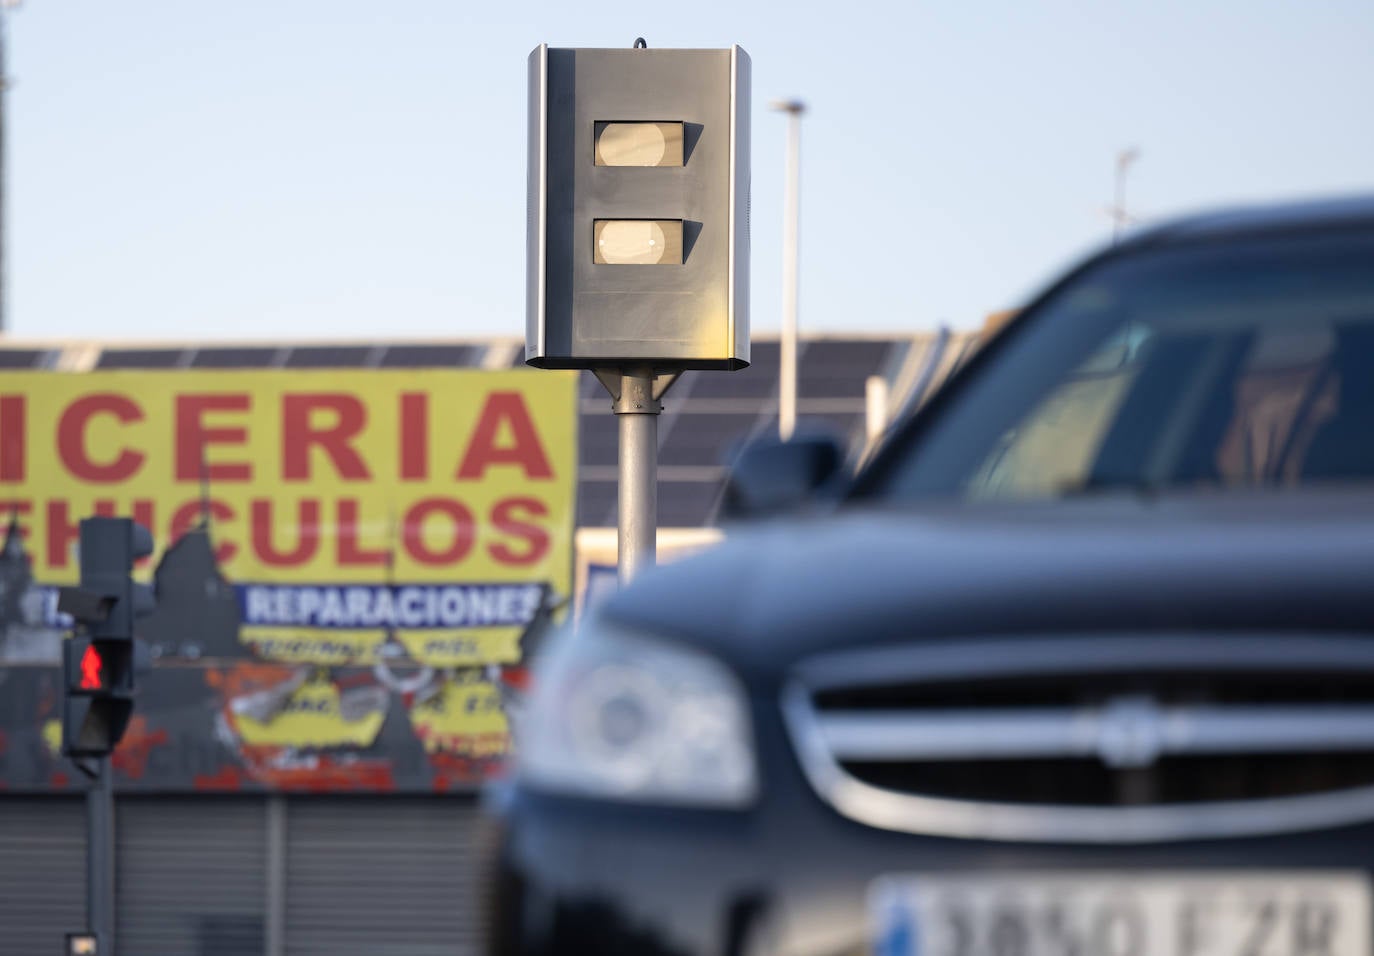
(5, 7)
(787, 380)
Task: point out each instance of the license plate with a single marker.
(1220, 913)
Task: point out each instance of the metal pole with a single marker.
(275, 884)
(791, 274)
(4, 197)
(637, 409)
(100, 875)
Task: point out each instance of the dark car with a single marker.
(1080, 664)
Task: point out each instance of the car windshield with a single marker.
(1234, 364)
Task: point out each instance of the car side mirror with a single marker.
(771, 477)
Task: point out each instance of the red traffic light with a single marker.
(92, 669)
(98, 668)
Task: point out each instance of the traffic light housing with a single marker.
(98, 659)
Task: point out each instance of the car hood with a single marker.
(874, 575)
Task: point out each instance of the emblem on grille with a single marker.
(1130, 732)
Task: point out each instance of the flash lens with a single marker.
(638, 144)
(82, 944)
(637, 242)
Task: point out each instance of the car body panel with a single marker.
(1281, 561)
(1251, 578)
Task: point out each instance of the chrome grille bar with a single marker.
(1129, 731)
(1126, 732)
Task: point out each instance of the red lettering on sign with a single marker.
(299, 433)
(414, 430)
(306, 527)
(13, 431)
(144, 513)
(63, 532)
(71, 438)
(193, 435)
(464, 531)
(350, 552)
(525, 451)
(506, 518)
(189, 515)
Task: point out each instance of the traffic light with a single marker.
(98, 659)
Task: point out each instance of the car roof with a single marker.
(1258, 220)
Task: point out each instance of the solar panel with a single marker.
(21, 358)
(696, 439)
(430, 356)
(235, 357)
(596, 503)
(329, 356)
(829, 369)
(681, 504)
(708, 414)
(758, 381)
(140, 358)
(686, 504)
(599, 437)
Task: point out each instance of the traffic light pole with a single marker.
(98, 677)
(637, 395)
(100, 876)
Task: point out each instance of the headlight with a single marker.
(630, 718)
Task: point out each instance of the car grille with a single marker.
(1116, 738)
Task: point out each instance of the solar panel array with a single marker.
(410, 355)
(706, 413)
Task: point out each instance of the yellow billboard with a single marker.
(358, 516)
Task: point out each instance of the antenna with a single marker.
(1120, 217)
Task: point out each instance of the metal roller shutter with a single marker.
(388, 875)
(42, 872)
(191, 876)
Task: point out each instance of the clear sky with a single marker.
(337, 168)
